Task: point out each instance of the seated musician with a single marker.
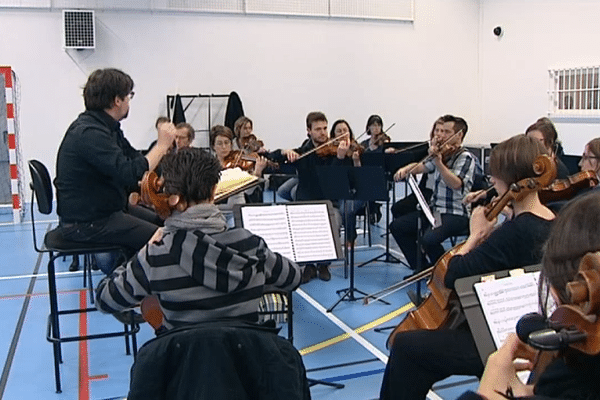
(420, 358)
(245, 139)
(453, 178)
(199, 269)
(184, 135)
(308, 181)
(348, 209)
(221, 142)
(590, 160)
(572, 375)
(96, 166)
(377, 137)
(544, 130)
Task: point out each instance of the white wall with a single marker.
(409, 73)
(538, 35)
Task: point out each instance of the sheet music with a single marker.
(311, 232)
(300, 232)
(421, 199)
(505, 300)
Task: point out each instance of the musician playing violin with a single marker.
(454, 173)
(377, 135)
(221, 141)
(309, 187)
(420, 358)
(573, 374)
(590, 160)
(245, 138)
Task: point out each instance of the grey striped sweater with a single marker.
(199, 277)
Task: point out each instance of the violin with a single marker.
(246, 162)
(441, 306)
(251, 143)
(565, 189)
(331, 149)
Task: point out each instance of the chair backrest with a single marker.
(41, 184)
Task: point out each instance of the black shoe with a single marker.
(74, 264)
(324, 273)
(124, 317)
(310, 271)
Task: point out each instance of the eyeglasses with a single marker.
(131, 94)
(586, 157)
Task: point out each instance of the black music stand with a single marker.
(391, 162)
(351, 183)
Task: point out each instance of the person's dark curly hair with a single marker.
(191, 173)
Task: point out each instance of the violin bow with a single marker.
(323, 145)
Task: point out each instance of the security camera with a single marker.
(498, 31)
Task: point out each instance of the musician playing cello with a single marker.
(453, 176)
(420, 358)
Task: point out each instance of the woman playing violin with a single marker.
(420, 358)
(590, 160)
(572, 375)
(221, 141)
(376, 133)
(348, 209)
(544, 130)
(245, 139)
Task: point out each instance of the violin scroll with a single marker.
(150, 195)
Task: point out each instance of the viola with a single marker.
(565, 189)
(441, 306)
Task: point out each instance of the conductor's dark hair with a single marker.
(103, 85)
(191, 173)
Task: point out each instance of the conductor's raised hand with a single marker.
(166, 135)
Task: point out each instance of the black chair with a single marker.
(56, 246)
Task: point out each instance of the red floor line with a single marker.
(84, 373)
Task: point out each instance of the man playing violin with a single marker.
(96, 167)
(419, 358)
(309, 187)
(454, 175)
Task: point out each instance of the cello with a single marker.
(441, 307)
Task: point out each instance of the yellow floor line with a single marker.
(359, 330)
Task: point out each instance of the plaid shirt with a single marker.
(446, 200)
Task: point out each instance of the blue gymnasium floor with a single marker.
(340, 346)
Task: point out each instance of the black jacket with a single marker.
(95, 168)
(219, 360)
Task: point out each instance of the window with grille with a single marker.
(575, 91)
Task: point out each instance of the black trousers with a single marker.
(404, 231)
(132, 229)
(418, 359)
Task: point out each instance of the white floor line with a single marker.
(362, 341)
(58, 275)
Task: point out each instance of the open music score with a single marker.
(505, 300)
(233, 181)
(300, 232)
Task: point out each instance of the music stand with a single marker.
(391, 162)
(351, 183)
